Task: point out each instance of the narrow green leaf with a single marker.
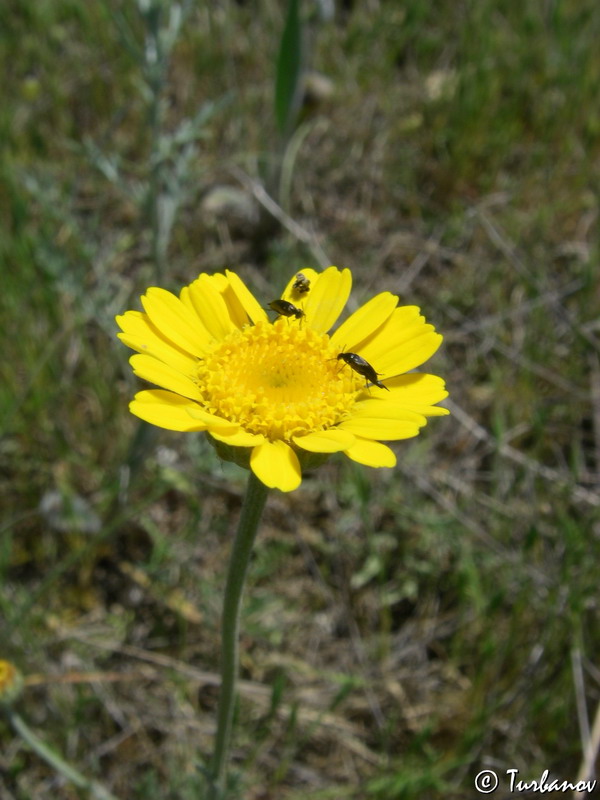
(287, 83)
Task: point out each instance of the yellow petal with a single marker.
(276, 465)
(365, 321)
(155, 371)
(237, 314)
(218, 280)
(380, 428)
(416, 387)
(408, 405)
(330, 441)
(412, 354)
(239, 438)
(176, 321)
(325, 302)
(416, 392)
(403, 343)
(203, 297)
(239, 295)
(141, 335)
(160, 350)
(431, 411)
(402, 318)
(393, 354)
(165, 409)
(213, 423)
(372, 454)
(382, 408)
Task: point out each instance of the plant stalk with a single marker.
(254, 503)
(51, 757)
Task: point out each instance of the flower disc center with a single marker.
(280, 380)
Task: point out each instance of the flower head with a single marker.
(279, 391)
(11, 683)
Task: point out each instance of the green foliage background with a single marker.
(403, 629)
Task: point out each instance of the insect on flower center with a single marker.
(279, 379)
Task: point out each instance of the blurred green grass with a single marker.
(455, 161)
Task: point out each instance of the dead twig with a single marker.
(547, 473)
(267, 202)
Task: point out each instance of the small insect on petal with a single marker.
(285, 309)
(301, 284)
(362, 366)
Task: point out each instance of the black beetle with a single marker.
(286, 309)
(360, 365)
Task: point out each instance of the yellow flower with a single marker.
(277, 389)
(11, 683)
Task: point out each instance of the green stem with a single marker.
(254, 502)
(95, 789)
